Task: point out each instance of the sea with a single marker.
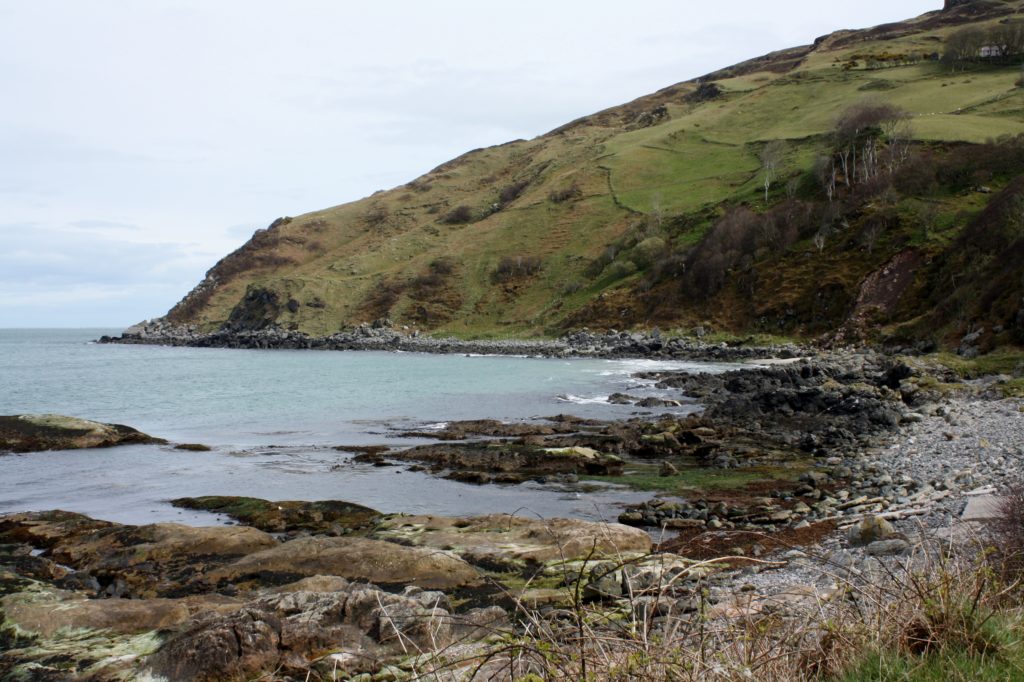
(273, 419)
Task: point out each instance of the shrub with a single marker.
(512, 192)
(442, 266)
(460, 215)
(597, 266)
(705, 92)
(569, 193)
(722, 248)
(426, 286)
(380, 301)
(1000, 158)
(620, 268)
(515, 267)
(1007, 533)
(648, 251)
(917, 176)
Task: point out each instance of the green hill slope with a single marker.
(656, 212)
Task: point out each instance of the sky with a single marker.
(142, 141)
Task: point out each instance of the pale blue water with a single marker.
(273, 418)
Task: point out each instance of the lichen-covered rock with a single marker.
(35, 432)
(870, 530)
(164, 559)
(503, 540)
(235, 647)
(375, 561)
(45, 612)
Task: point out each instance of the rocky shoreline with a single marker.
(382, 336)
(314, 590)
(821, 470)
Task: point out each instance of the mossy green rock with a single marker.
(35, 432)
(278, 517)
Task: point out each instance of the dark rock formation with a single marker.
(35, 432)
(329, 516)
(382, 336)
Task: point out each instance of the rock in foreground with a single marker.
(500, 540)
(36, 432)
(383, 563)
(328, 516)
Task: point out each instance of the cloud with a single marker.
(104, 225)
(52, 275)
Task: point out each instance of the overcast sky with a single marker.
(142, 141)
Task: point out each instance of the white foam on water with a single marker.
(580, 400)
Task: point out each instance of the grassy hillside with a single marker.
(654, 213)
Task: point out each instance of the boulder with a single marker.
(870, 529)
(159, 543)
(287, 516)
(236, 647)
(45, 612)
(35, 432)
(504, 540)
(46, 529)
(353, 558)
(290, 629)
(164, 559)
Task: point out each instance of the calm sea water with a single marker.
(273, 418)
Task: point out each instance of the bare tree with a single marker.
(963, 46)
(857, 135)
(826, 172)
(899, 133)
(656, 217)
(820, 239)
(771, 157)
(929, 216)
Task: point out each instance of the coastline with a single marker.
(381, 336)
(887, 459)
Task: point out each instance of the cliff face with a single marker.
(749, 200)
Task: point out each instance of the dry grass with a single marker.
(939, 611)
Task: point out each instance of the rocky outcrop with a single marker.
(323, 621)
(500, 462)
(512, 541)
(46, 612)
(35, 432)
(839, 403)
(383, 563)
(329, 516)
(223, 602)
(115, 560)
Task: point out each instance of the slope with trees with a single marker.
(767, 197)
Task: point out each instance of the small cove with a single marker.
(274, 417)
